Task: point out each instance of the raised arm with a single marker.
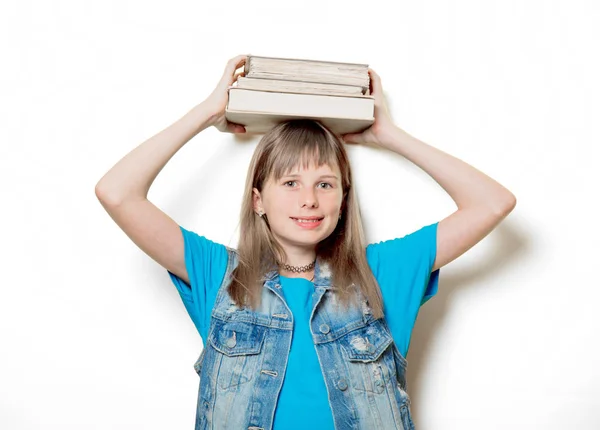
(123, 190)
(482, 202)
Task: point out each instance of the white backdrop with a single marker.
(93, 333)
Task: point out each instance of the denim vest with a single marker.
(243, 362)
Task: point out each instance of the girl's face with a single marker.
(303, 193)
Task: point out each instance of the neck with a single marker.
(305, 267)
(299, 257)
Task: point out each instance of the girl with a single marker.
(303, 325)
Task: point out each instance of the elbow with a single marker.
(104, 196)
(506, 206)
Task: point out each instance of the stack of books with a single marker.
(273, 90)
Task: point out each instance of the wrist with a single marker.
(388, 134)
(395, 139)
(203, 115)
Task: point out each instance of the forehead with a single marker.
(312, 159)
(311, 169)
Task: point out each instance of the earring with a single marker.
(260, 214)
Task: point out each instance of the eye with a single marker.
(288, 182)
(326, 183)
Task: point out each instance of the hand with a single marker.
(383, 123)
(217, 101)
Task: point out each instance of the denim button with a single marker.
(230, 342)
(342, 384)
(324, 328)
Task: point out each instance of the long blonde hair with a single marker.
(281, 149)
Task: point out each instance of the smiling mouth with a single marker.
(308, 221)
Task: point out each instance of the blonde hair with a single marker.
(288, 145)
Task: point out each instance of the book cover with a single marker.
(260, 110)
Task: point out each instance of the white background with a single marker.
(94, 335)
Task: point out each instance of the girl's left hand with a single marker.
(383, 123)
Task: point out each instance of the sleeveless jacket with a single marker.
(243, 362)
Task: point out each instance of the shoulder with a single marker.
(202, 252)
(421, 239)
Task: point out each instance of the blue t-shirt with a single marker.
(402, 268)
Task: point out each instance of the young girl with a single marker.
(303, 325)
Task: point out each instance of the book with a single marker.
(280, 89)
(287, 86)
(294, 69)
(259, 110)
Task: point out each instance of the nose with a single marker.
(308, 197)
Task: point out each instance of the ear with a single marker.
(256, 200)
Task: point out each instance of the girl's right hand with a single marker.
(217, 101)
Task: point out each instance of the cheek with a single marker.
(284, 202)
(336, 201)
(282, 205)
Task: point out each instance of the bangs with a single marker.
(300, 144)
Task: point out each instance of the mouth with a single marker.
(308, 219)
(308, 222)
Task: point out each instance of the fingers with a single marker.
(229, 75)
(349, 138)
(235, 128)
(374, 75)
(238, 59)
(375, 82)
(234, 64)
(237, 75)
(229, 127)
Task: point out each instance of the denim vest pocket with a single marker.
(365, 348)
(407, 422)
(237, 345)
(199, 361)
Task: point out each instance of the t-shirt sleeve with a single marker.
(402, 267)
(206, 262)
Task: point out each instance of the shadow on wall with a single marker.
(511, 247)
(186, 202)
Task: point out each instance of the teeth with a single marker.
(305, 220)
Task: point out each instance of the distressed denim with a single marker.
(243, 363)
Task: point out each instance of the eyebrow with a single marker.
(320, 177)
